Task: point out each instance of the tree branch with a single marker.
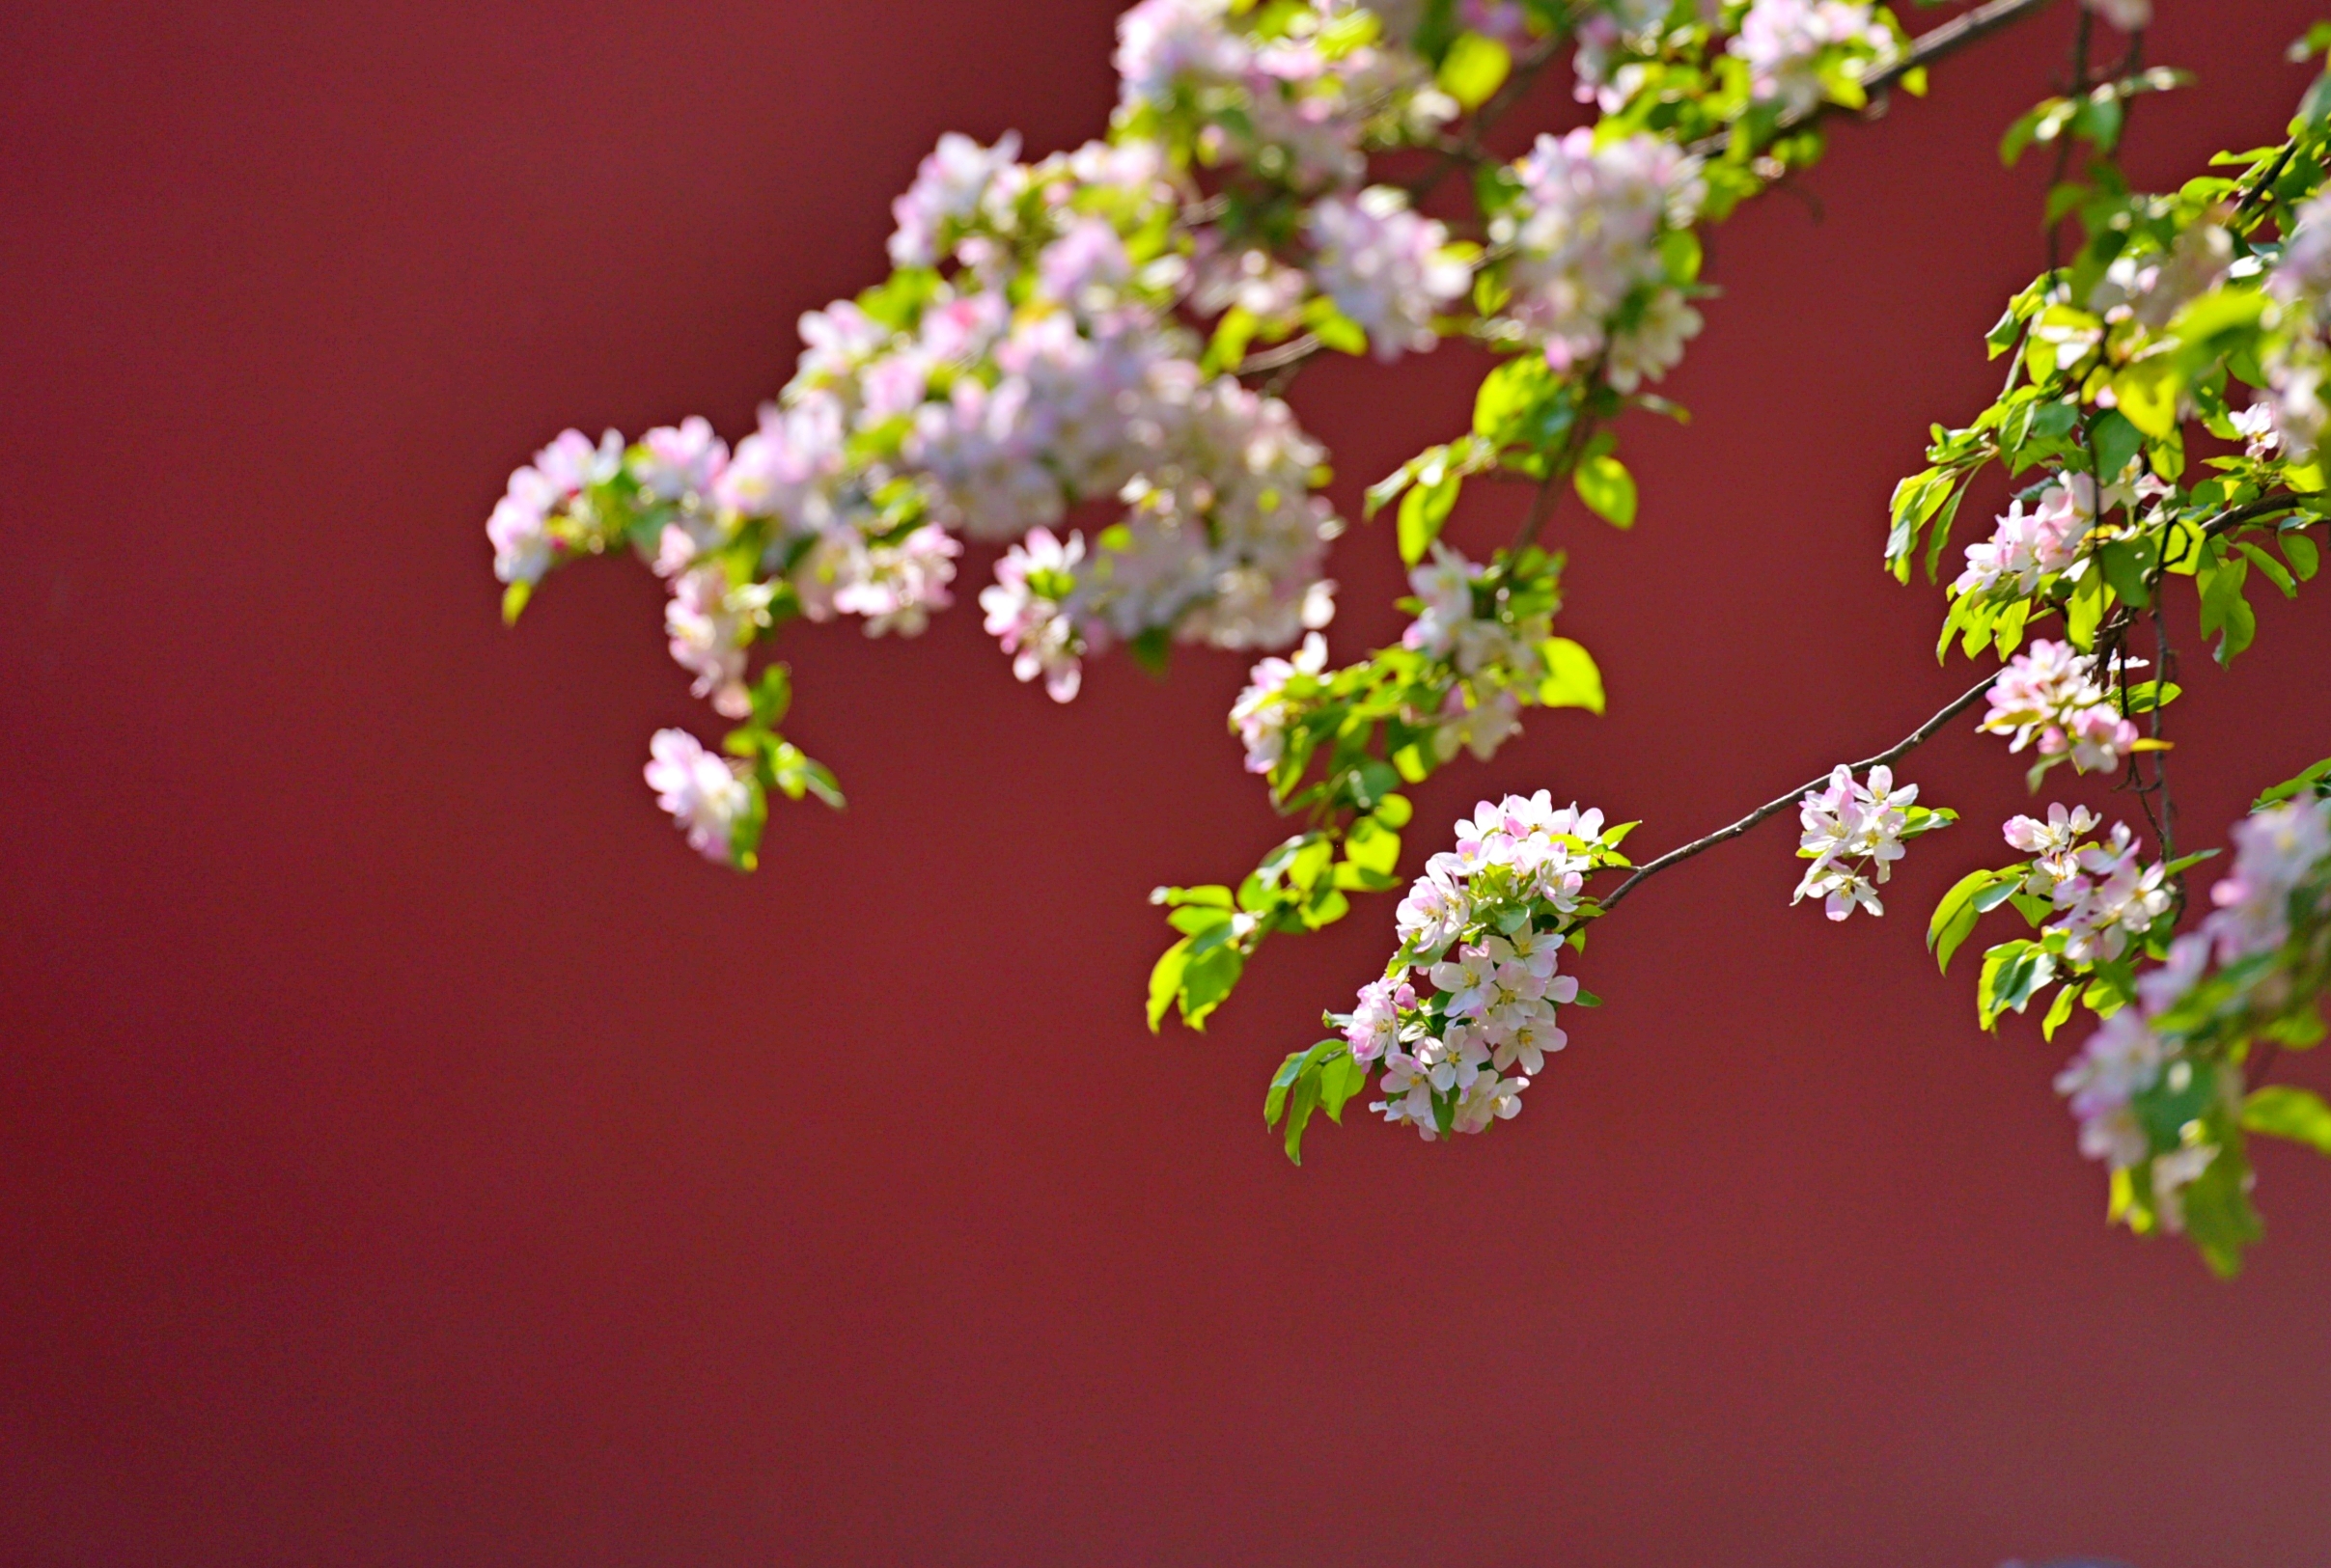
(1909, 743)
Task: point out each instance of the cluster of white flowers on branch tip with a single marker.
(1299, 102)
(1484, 926)
(2110, 898)
(1589, 275)
(2054, 845)
(1385, 267)
(2301, 356)
(2155, 1086)
(1260, 715)
(1493, 646)
(705, 793)
(1853, 834)
(2030, 544)
(2049, 698)
(561, 473)
(1787, 43)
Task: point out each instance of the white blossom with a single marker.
(1385, 267)
(2111, 897)
(705, 793)
(1852, 831)
(2275, 851)
(2049, 698)
(1259, 714)
(1586, 245)
(1783, 41)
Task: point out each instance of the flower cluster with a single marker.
(2300, 284)
(1590, 276)
(2156, 1088)
(1788, 44)
(2050, 698)
(2106, 895)
(1853, 834)
(1386, 268)
(1483, 928)
(706, 794)
(1298, 92)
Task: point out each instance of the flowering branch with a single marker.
(1885, 759)
(1934, 45)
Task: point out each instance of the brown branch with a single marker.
(1916, 738)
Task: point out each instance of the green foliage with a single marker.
(2278, 1111)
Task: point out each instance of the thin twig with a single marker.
(1915, 739)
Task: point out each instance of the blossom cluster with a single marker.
(2050, 698)
(2300, 286)
(1788, 44)
(2028, 545)
(2153, 1085)
(1591, 279)
(1853, 834)
(1466, 1013)
(1298, 92)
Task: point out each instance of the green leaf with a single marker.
(2013, 972)
(2116, 441)
(1340, 1078)
(1207, 980)
(513, 601)
(1165, 979)
(2300, 551)
(1607, 488)
(2276, 572)
(2060, 1011)
(1474, 68)
(2147, 694)
(2298, 1114)
(1955, 918)
(1300, 1103)
(1572, 680)
(2289, 788)
(1423, 511)
(1196, 920)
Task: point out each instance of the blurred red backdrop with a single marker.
(414, 1154)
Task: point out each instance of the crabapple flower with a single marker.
(2275, 851)
(520, 527)
(1586, 239)
(897, 586)
(2049, 698)
(1853, 834)
(2053, 844)
(1784, 40)
(709, 621)
(705, 793)
(2111, 897)
(1385, 267)
(1375, 1025)
(2118, 1062)
(1026, 615)
(948, 186)
(1486, 923)
(1259, 714)
(681, 460)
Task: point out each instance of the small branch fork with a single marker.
(1895, 752)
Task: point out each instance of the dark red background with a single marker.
(412, 1154)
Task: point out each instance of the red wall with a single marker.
(410, 1153)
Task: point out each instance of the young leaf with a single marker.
(1165, 979)
(2299, 1114)
(1572, 680)
(1608, 489)
(1474, 68)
